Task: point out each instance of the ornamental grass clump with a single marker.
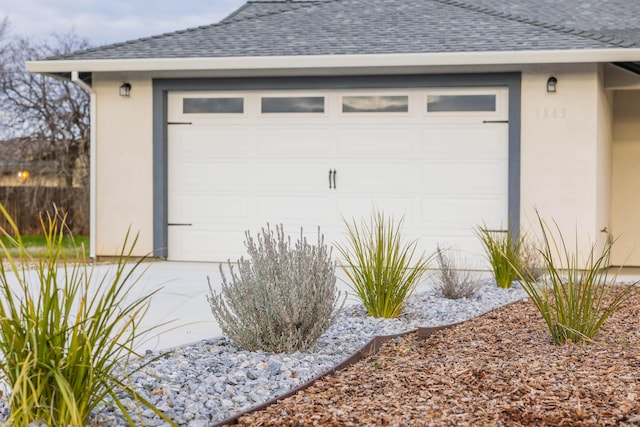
(383, 269)
(452, 282)
(65, 336)
(503, 251)
(281, 299)
(574, 298)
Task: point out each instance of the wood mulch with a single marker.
(500, 369)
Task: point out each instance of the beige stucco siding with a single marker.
(124, 171)
(626, 178)
(564, 169)
(603, 164)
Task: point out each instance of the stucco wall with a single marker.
(124, 195)
(626, 178)
(562, 135)
(603, 165)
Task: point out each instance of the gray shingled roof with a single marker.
(337, 27)
(614, 18)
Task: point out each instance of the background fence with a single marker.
(27, 204)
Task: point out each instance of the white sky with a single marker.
(110, 21)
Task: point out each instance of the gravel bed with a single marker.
(204, 383)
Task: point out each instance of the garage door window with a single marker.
(375, 104)
(297, 104)
(213, 105)
(460, 103)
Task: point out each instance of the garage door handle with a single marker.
(332, 178)
(178, 224)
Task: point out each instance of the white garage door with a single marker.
(240, 160)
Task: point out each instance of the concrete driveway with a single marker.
(180, 309)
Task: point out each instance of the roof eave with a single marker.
(338, 61)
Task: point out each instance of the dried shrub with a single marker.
(452, 282)
(281, 299)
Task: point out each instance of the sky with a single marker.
(110, 21)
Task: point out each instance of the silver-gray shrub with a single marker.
(281, 299)
(452, 282)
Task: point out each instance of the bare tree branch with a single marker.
(46, 120)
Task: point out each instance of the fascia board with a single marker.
(338, 61)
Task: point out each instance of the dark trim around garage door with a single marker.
(161, 88)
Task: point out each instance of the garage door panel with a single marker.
(291, 176)
(376, 141)
(476, 142)
(464, 179)
(457, 213)
(202, 176)
(203, 208)
(466, 248)
(361, 207)
(287, 142)
(294, 207)
(198, 244)
(212, 142)
(375, 177)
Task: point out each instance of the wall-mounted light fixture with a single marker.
(552, 85)
(125, 89)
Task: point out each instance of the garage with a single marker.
(237, 160)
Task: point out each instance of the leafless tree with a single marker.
(44, 121)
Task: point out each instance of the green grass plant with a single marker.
(66, 336)
(574, 297)
(503, 251)
(383, 269)
(33, 245)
